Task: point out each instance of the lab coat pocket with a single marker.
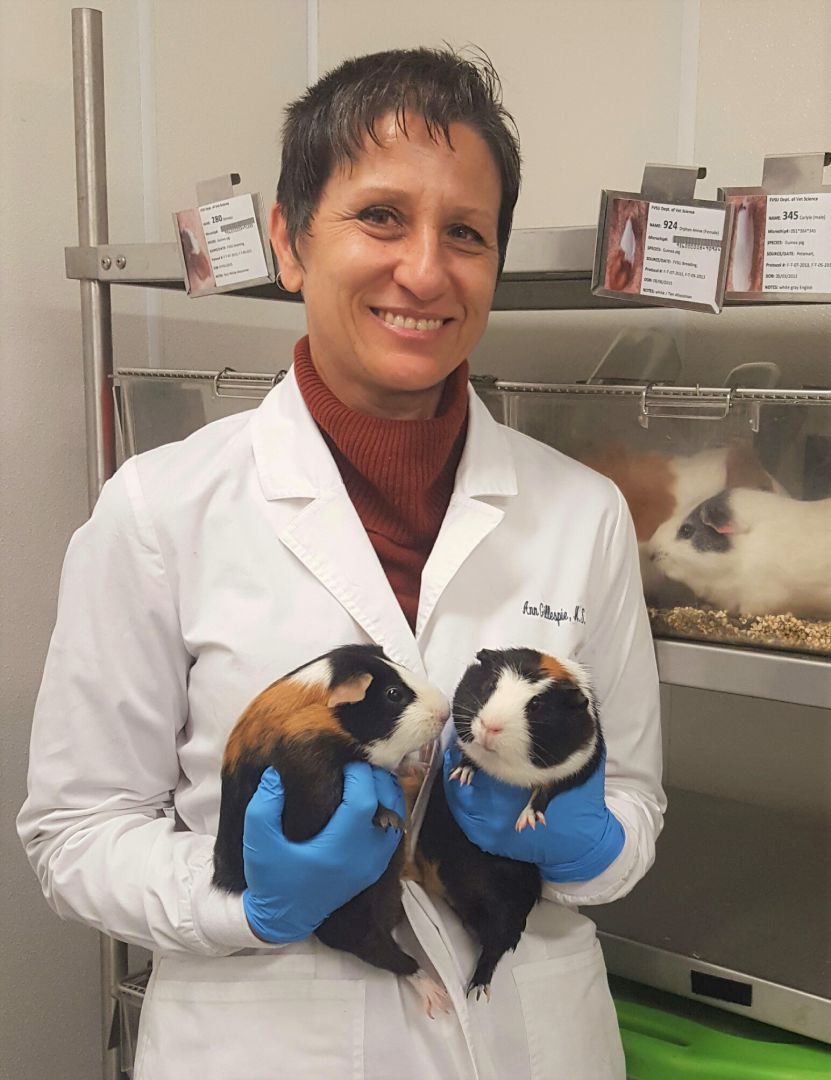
(570, 1019)
(249, 1018)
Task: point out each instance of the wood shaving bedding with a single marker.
(768, 631)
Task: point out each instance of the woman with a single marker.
(371, 497)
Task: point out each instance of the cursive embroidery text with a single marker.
(557, 615)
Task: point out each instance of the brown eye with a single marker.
(379, 215)
(465, 232)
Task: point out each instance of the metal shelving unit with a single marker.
(546, 269)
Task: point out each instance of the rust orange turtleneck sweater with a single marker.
(399, 474)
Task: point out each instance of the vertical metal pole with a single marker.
(91, 182)
(96, 326)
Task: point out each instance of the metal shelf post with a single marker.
(96, 329)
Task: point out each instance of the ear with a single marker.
(744, 470)
(485, 656)
(291, 272)
(716, 514)
(350, 692)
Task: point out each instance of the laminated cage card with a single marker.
(222, 242)
(661, 244)
(780, 249)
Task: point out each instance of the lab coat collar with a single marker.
(487, 463)
(290, 453)
(486, 472)
(293, 460)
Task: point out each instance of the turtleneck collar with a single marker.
(402, 463)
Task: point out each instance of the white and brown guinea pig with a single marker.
(530, 720)
(352, 704)
(662, 488)
(754, 552)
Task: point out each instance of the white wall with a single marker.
(195, 88)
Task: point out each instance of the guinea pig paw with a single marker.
(463, 773)
(387, 819)
(480, 990)
(529, 817)
(433, 997)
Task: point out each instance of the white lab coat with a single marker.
(208, 569)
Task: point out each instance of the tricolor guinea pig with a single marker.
(352, 704)
(530, 720)
(754, 552)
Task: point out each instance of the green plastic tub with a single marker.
(669, 1038)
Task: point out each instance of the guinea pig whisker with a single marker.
(468, 715)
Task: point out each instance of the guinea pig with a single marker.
(352, 704)
(530, 720)
(754, 552)
(663, 488)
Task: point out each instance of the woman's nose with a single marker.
(422, 265)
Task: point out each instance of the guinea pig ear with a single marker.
(717, 515)
(350, 691)
(486, 656)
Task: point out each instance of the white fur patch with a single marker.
(317, 673)
(419, 723)
(508, 758)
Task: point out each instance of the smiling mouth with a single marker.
(408, 322)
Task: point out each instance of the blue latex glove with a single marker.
(293, 887)
(580, 838)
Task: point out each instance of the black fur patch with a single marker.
(346, 661)
(701, 525)
(386, 698)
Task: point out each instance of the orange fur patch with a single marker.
(425, 873)
(645, 481)
(744, 470)
(410, 785)
(286, 709)
(553, 668)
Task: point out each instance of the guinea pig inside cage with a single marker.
(729, 491)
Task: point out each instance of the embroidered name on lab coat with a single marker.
(557, 615)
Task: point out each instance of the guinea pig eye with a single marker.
(686, 531)
(394, 694)
(533, 704)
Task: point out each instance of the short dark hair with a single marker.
(328, 124)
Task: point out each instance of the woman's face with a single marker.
(399, 268)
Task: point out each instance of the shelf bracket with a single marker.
(124, 262)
